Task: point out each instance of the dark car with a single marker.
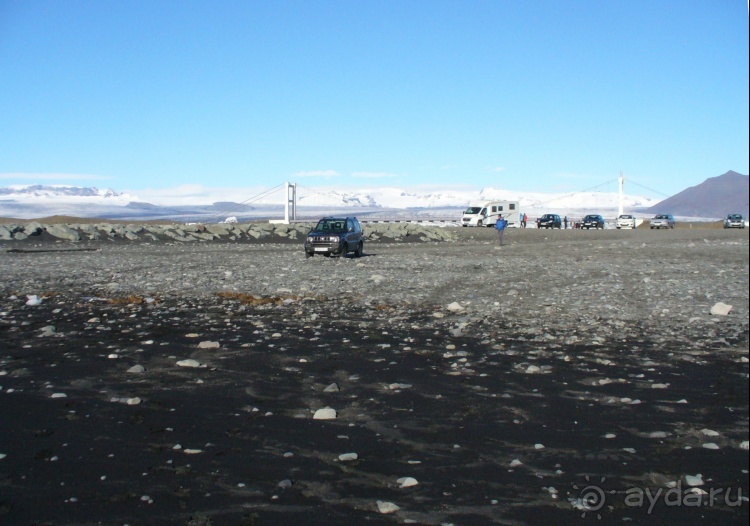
(549, 221)
(592, 221)
(335, 236)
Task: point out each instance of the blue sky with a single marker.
(530, 96)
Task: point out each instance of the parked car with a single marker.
(625, 221)
(592, 221)
(335, 236)
(662, 221)
(549, 221)
(734, 221)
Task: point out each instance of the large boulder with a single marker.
(64, 232)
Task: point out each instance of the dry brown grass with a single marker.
(133, 299)
(250, 299)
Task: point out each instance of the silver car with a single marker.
(734, 221)
(662, 221)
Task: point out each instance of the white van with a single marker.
(486, 214)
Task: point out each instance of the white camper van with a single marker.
(485, 214)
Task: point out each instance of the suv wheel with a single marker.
(360, 250)
(344, 250)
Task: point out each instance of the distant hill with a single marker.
(714, 197)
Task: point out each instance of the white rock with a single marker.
(2, 456)
(59, 395)
(189, 363)
(47, 331)
(387, 507)
(136, 369)
(399, 386)
(745, 445)
(694, 480)
(407, 482)
(455, 307)
(192, 451)
(326, 413)
(33, 300)
(515, 463)
(659, 386)
(720, 309)
(710, 445)
(538, 446)
(333, 388)
(133, 401)
(658, 434)
(208, 345)
(532, 369)
(710, 432)
(348, 456)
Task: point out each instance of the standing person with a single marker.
(566, 222)
(523, 221)
(500, 226)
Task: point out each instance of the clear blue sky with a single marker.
(526, 95)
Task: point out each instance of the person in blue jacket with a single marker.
(500, 226)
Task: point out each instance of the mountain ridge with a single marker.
(714, 197)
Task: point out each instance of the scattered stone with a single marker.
(455, 307)
(387, 507)
(33, 300)
(190, 363)
(209, 345)
(136, 369)
(325, 413)
(407, 482)
(720, 309)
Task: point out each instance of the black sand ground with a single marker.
(93, 458)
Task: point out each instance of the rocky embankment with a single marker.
(249, 232)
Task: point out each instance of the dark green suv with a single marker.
(335, 236)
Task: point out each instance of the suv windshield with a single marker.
(331, 225)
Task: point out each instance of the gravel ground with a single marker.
(511, 383)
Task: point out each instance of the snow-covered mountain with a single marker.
(197, 202)
(37, 192)
(389, 197)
